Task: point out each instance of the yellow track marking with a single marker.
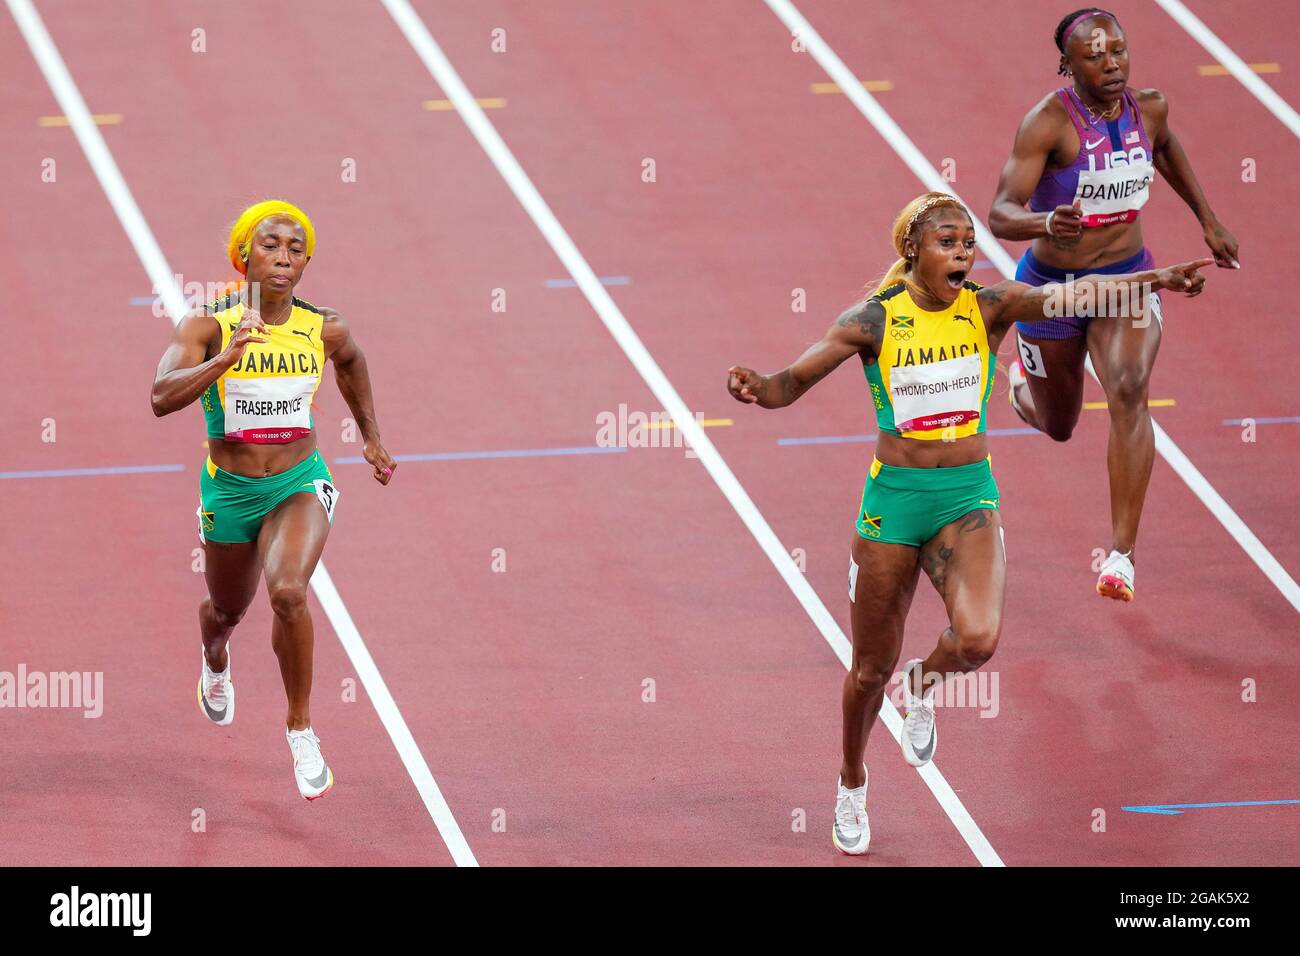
(1151, 403)
(1215, 69)
(706, 423)
(487, 102)
(101, 119)
(871, 86)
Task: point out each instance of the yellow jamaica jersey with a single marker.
(266, 397)
(934, 374)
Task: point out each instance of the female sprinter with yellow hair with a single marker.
(255, 359)
(927, 338)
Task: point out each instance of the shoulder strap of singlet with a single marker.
(1137, 110)
(228, 301)
(1072, 110)
(885, 294)
(971, 286)
(304, 304)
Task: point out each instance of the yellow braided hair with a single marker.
(241, 233)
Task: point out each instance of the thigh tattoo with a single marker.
(935, 562)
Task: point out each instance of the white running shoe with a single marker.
(1116, 578)
(851, 833)
(920, 734)
(309, 768)
(1016, 378)
(217, 692)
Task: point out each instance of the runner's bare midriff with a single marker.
(252, 460)
(914, 453)
(1099, 246)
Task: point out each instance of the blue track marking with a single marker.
(1263, 421)
(89, 472)
(826, 440)
(191, 301)
(1176, 808)
(572, 284)
(847, 439)
(502, 453)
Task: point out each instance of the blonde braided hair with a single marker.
(916, 213)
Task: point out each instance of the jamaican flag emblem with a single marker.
(902, 327)
(872, 524)
(207, 518)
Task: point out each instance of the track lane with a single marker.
(735, 104)
(586, 731)
(125, 790)
(551, 726)
(1220, 125)
(612, 31)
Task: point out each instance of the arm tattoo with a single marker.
(991, 298)
(868, 318)
(788, 388)
(821, 373)
(777, 390)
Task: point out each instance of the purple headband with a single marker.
(1086, 15)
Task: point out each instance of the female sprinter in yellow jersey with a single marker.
(927, 338)
(255, 359)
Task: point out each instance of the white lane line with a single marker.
(155, 265)
(1247, 77)
(101, 160)
(829, 61)
(417, 34)
(391, 716)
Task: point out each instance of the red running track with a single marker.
(524, 688)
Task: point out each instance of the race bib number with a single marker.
(1031, 358)
(327, 495)
(937, 395)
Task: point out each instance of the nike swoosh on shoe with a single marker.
(213, 713)
(320, 781)
(925, 754)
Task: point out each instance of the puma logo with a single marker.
(964, 318)
(306, 335)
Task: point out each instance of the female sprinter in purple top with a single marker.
(1083, 161)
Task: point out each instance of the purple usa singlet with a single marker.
(1111, 177)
